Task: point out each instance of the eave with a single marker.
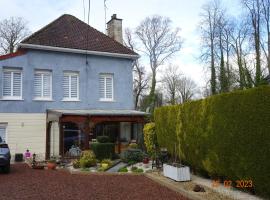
(77, 51)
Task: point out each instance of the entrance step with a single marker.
(117, 167)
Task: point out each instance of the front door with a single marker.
(73, 137)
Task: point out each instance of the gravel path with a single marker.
(24, 183)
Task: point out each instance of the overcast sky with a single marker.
(184, 14)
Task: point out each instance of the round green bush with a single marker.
(88, 159)
(133, 155)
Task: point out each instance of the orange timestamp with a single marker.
(230, 183)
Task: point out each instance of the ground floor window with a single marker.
(110, 129)
(3, 132)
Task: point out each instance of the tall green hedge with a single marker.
(226, 135)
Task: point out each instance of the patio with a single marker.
(25, 183)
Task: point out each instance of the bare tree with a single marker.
(187, 89)
(160, 42)
(209, 26)
(266, 17)
(12, 31)
(238, 39)
(140, 80)
(170, 82)
(254, 8)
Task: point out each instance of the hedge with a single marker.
(226, 135)
(103, 150)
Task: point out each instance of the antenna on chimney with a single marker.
(105, 13)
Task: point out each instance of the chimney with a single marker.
(114, 29)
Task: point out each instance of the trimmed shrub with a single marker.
(166, 120)
(103, 150)
(133, 156)
(103, 139)
(150, 138)
(87, 159)
(226, 135)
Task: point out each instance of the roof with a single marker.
(69, 32)
(11, 55)
(100, 112)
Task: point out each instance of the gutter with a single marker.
(78, 51)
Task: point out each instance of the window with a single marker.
(106, 87)
(43, 85)
(12, 84)
(3, 132)
(71, 86)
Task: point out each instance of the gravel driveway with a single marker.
(24, 183)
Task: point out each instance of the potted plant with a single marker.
(51, 164)
(176, 171)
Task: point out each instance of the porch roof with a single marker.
(95, 112)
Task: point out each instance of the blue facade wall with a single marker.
(88, 81)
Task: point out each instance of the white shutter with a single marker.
(106, 87)
(71, 86)
(47, 85)
(109, 89)
(66, 86)
(7, 84)
(42, 85)
(102, 87)
(74, 86)
(3, 133)
(12, 84)
(17, 84)
(38, 85)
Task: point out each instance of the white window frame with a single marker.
(11, 88)
(42, 98)
(105, 76)
(69, 74)
(5, 125)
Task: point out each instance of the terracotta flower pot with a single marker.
(146, 160)
(51, 165)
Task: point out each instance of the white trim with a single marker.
(70, 100)
(79, 51)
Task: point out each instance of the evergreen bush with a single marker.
(225, 135)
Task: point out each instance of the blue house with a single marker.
(67, 84)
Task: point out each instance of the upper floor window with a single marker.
(12, 84)
(71, 86)
(43, 85)
(106, 87)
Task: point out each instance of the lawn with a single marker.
(25, 183)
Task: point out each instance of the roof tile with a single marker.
(69, 32)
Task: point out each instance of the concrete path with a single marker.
(231, 192)
(117, 167)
